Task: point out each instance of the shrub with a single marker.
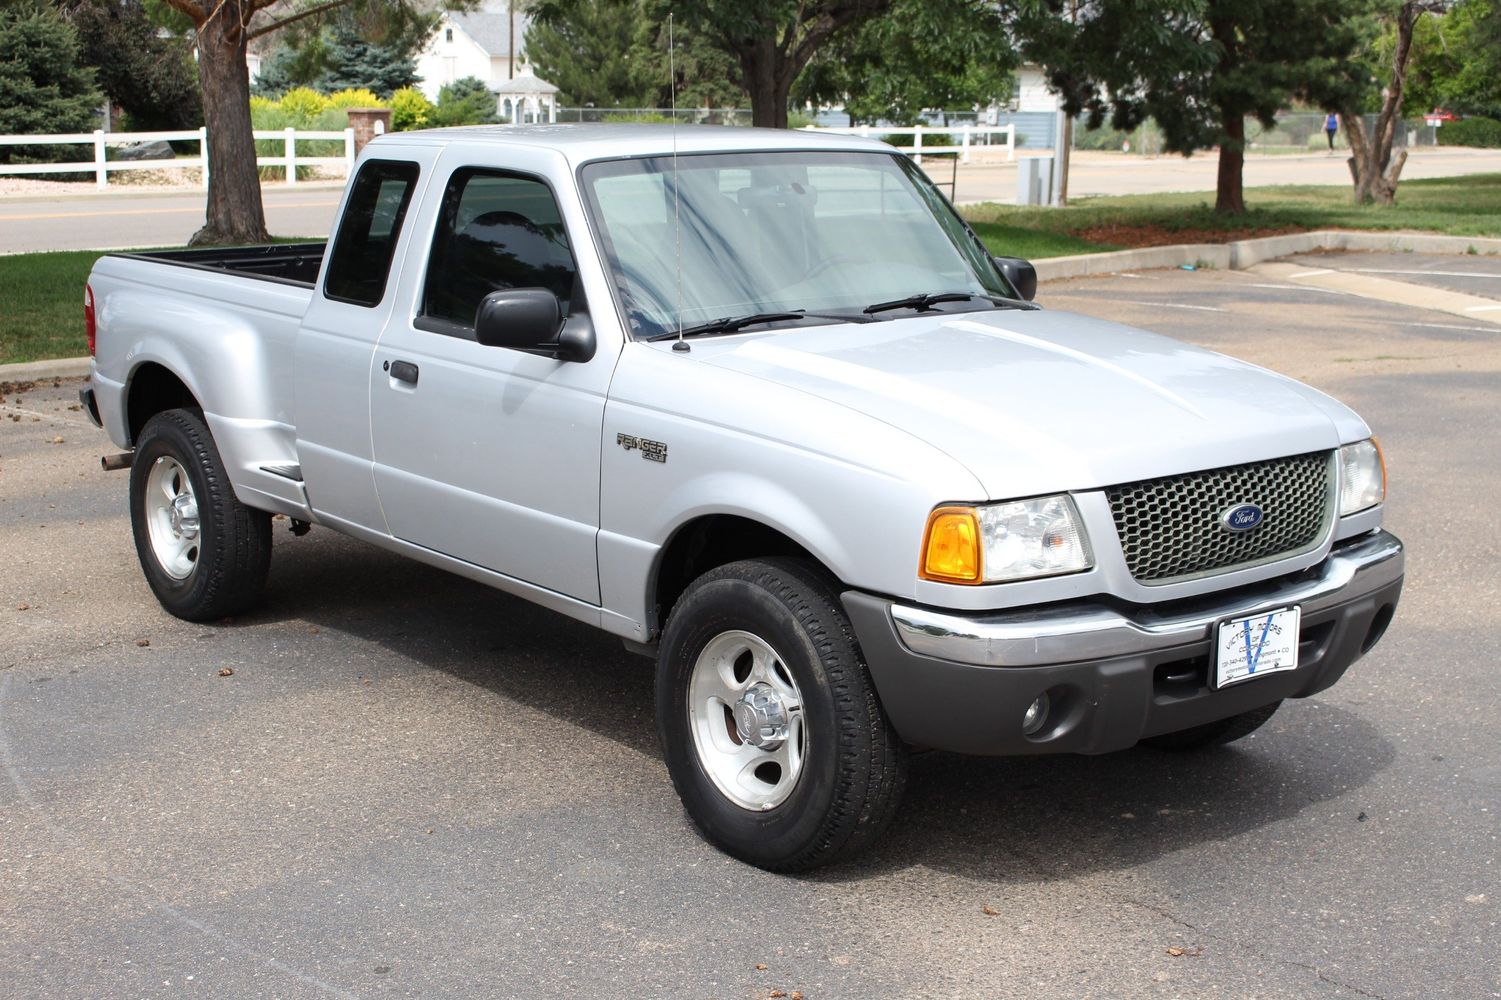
(1484, 133)
(354, 98)
(638, 117)
(928, 139)
(410, 109)
(464, 102)
(302, 105)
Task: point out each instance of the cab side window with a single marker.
(495, 231)
(361, 253)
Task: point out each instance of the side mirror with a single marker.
(531, 320)
(1020, 273)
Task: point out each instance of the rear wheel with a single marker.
(205, 554)
(771, 728)
(1214, 734)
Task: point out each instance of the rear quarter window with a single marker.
(360, 257)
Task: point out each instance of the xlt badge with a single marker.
(652, 451)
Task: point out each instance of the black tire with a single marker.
(233, 554)
(853, 767)
(1213, 734)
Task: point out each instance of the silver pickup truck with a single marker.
(762, 405)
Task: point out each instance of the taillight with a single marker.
(88, 316)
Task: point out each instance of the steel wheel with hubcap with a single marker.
(771, 728)
(204, 553)
(172, 518)
(747, 720)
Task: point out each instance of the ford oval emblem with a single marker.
(1242, 517)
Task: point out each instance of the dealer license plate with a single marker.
(1255, 646)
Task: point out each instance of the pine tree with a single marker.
(44, 88)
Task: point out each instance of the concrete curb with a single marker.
(31, 370)
(1241, 254)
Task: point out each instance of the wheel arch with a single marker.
(152, 388)
(711, 540)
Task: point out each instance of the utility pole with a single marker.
(511, 37)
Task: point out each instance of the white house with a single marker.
(1032, 91)
(480, 44)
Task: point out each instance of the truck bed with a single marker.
(292, 263)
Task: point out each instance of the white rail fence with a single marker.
(965, 133)
(101, 166)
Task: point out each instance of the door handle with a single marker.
(402, 371)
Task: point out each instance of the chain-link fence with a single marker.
(1295, 132)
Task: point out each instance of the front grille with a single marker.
(1170, 528)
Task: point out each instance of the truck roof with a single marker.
(583, 142)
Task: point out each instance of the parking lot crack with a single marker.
(1206, 935)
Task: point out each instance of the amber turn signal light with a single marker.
(951, 546)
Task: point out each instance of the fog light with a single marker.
(1037, 714)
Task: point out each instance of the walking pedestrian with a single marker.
(1331, 126)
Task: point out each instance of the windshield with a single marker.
(823, 233)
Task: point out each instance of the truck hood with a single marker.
(1039, 401)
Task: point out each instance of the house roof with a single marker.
(523, 85)
(491, 31)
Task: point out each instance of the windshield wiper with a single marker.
(732, 324)
(926, 300)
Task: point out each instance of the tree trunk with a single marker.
(1372, 168)
(1229, 194)
(763, 65)
(235, 214)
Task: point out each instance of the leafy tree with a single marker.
(43, 87)
(893, 67)
(613, 53)
(597, 52)
(224, 29)
(1455, 61)
(464, 102)
(149, 77)
(1375, 169)
(1199, 67)
(771, 40)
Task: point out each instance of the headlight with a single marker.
(1004, 541)
(1362, 476)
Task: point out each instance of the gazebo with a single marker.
(526, 99)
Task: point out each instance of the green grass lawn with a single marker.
(1458, 206)
(41, 305)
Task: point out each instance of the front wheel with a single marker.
(770, 725)
(204, 553)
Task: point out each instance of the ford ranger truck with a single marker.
(762, 405)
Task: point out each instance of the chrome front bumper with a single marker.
(1066, 633)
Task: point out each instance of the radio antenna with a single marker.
(677, 225)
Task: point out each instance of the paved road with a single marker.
(132, 220)
(114, 221)
(413, 786)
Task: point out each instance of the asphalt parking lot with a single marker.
(409, 785)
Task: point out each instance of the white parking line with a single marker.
(1482, 309)
(1171, 305)
(1311, 274)
(1451, 326)
(1301, 288)
(1441, 274)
